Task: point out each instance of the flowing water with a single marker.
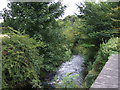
(70, 69)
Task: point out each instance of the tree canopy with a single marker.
(40, 41)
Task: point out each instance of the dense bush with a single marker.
(21, 61)
(55, 52)
(106, 49)
(55, 55)
(111, 47)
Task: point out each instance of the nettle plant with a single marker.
(21, 61)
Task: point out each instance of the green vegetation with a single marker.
(68, 82)
(38, 42)
(21, 62)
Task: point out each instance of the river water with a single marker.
(71, 70)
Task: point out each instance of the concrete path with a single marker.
(108, 77)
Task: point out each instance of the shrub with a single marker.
(67, 82)
(21, 61)
(106, 49)
(55, 56)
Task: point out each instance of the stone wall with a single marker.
(108, 77)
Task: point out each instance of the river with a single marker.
(69, 71)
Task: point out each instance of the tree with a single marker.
(39, 21)
(98, 20)
(33, 18)
(116, 20)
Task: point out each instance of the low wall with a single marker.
(108, 77)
